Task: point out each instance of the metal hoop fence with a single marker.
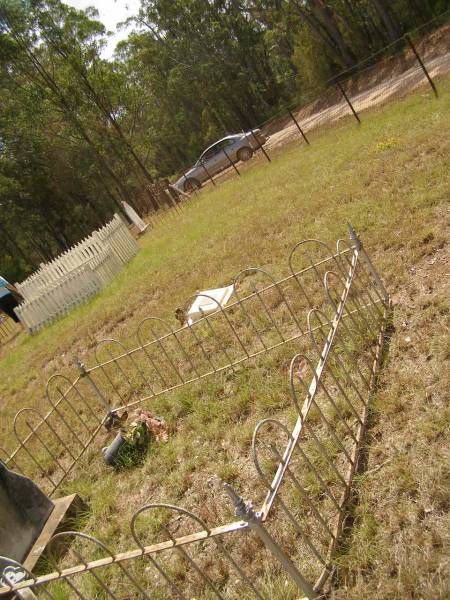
(306, 466)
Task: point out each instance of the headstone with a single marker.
(24, 510)
(207, 302)
(134, 217)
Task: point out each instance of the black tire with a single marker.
(192, 184)
(245, 154)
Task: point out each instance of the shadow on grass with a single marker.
(351, 519)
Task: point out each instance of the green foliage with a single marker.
(255, 220)
(79, 134)
(312, 64)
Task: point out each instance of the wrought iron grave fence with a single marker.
(334, 308)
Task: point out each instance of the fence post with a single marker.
(347, 99)
(207, 172)
(424, 69)
(298, 126)
(231, 162)
(174, 204)
(246, 512)
(185, 181)
(85, 375)
(260, 146)
(359, 246)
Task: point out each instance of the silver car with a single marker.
(219, 156)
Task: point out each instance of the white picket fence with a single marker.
(75, 275)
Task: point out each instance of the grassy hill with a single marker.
(390, 178)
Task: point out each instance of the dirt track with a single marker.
(381, 83)
(381, 92)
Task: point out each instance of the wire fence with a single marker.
(418, 59)
(333, 307)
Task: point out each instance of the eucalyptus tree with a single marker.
(54, 50)
(79, 133)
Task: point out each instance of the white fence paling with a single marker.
(75, 275)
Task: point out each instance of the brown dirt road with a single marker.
(382, 92)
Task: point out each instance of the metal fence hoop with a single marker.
(276, 285)
(180, 549)
(259, 426)
(21, 585)
(158, 341)
(100, 544)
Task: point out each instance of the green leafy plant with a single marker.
(136, 436)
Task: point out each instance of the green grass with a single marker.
(390, 178)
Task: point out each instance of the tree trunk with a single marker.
(422, 10)
(48, 83)
(359, 16)
(114, 199)
(40, 247)
(56, 236)
(319, 30)
(327, 18)
(15, 244)
(387, 20)
(60, 100)
(84, 78)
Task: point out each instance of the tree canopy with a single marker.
(79, 133)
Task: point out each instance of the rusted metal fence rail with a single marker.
(332, 306)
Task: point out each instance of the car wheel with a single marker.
(192, 184)
(245, 154)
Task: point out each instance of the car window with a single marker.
(211, 152)
(226, 143)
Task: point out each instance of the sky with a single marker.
(111, 12)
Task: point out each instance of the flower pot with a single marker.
(110, 452)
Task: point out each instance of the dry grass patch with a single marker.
(396, 195)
